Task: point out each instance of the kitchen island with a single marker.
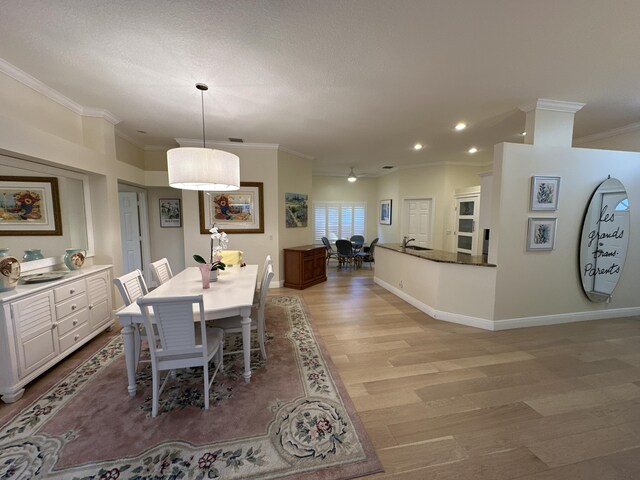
(447, 286)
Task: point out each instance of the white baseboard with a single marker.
(510, 323)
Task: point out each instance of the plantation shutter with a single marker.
(336, 220)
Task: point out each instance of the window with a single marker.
(336, 220)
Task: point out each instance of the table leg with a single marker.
(246, 347)
(130, 357)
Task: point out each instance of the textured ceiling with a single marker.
(348, 82)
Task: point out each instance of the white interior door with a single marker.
(467, 213)
(418, 219)
(130, 232)
(611, 250)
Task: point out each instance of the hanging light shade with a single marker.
(207, 169)
(352, 176)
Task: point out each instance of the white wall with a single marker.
(531, 284)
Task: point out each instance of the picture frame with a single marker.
(295, 209)
(29, 206)
(170, 213)
(545, 192)
(237, 211)
(541, 233)
(385, 212)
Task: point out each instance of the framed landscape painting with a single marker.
(29, 206)
(295, 209)
(544, 193)
(238, 211)
(385, 212)
(170, 213)
(541, 234)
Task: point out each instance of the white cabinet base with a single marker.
(40, 324)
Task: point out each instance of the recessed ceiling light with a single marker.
(418, 146)
(472, 150)
(523, 133)
(460, 126)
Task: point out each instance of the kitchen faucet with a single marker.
(405, 241)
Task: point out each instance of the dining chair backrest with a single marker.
(264, 290)
(344, 248)
(267, 262)
(231, 257)
(161, 271)
(372, 247)
(359, 239)
(327, 244)
(173, 317)
(131, 286)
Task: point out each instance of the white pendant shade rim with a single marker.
(206, 169)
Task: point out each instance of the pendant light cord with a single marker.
(204, 142)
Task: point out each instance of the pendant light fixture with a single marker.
(352, 176)
(207, 169)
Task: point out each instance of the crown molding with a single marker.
(35, 84)
(293, 152)
(194, 142)
(132, 141)
(156, 148)
(410, 167)
(552, 105)
(632, 127)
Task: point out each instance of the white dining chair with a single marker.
(180, 343)
(131, 287)
(161, 271)
(233, 325)
(267, 262)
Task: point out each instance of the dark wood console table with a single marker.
(305, 266)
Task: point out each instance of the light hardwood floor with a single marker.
(445, 401)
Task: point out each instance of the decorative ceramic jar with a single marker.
(74, 258)
(32, 254)
(4, 252)
(9, 272)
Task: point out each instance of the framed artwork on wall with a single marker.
(29, 206)
(170, 213)
(541, 234)
(544, 193)
(239, 211)
(295, 209)
(385, 212)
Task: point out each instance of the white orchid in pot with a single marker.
(219, 242)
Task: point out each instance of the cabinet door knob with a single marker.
(75, 322)
(54, 325)
(76, 338)
(73, 307)
(72, 290)
(91, 306)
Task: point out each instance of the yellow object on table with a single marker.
(231, 257)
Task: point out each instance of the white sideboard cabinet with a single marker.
(42, 323)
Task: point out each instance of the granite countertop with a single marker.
(440, 255)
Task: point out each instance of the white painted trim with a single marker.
(437, 314)
(35, 84)
(632, 127)
(552, 105)
(406, 167)
(511, 323)
(132, 141)
(293, 152)
(193, 142)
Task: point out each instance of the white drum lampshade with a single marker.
(206, 169)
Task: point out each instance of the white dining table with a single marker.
(232, 294)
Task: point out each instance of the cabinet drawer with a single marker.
(69, 290)
(70, 306)
(72, 321)
(74, 336)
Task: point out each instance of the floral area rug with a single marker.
(294, 419)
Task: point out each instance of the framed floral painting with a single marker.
(544, 193)
(541, 233)
(29, 206)
(238, 211)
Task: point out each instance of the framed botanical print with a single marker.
(238, 211)
(170, 212)
(541, 233)
(29, 206)
(385, 212)
(544, 193)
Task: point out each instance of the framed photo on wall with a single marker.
(295, 209)
(544, 193)
(239, 211)
(541, 234)
(170, 213)
(29, 206)
(385, 212)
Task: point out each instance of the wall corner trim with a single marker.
(552, 105)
